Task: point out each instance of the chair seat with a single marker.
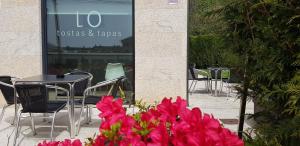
(91, 99)
(201, 79)
(65, 94)
(52, 106)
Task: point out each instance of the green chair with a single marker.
(225, 77)
(113, 71)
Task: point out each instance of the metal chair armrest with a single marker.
(100, 84)
(5, 84)
(59, 88)
(62, 89)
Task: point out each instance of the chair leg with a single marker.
(191, 86)
(228, 89)
(79, 122)
(14, 120)
(69, 111)
(52, 126)
(133, 112)
(44, 119)
(221, 87)
(17, 129)
(32, 124)
(195, 85)
(207, 85)
(56, 92)
(87, 115)
(211, 87)
(90, 114)
(2, 113)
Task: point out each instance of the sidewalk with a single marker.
(226, 109)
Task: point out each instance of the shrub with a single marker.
(167, 124)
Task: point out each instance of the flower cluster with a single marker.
(67, 142)
(167, 124)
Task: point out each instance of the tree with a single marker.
(266, 34)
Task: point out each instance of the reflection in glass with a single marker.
(88, 35)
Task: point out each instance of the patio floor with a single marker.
(222, 107)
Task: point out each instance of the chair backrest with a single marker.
(204, 73)
(190, 75)
(225, 74)
(114, 70)
(33, 97)
(191, 69)
(7, 91)
(79, 87)
(213, 74)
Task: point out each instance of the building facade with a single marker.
(54, 36)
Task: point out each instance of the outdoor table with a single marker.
(216, 70)
(52, 79)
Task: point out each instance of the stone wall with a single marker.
(160, 45)
(160, 49)
(20, 38)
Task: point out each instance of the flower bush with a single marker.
(167, 124)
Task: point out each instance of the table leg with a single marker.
(72, 110)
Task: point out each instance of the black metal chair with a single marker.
(89, 98)
(79, 87)
(34, 99)
(7, 89)
(82, 85)
(192, 76)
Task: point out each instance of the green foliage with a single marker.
(210, 50)
(266, 34)
(207, 47)
(261, 40)
(112, 134)
(200, 23)
(143, 106)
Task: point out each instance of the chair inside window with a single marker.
(34, 99)
(114, 71)
(7, 90)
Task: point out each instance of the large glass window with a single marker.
(87, 35)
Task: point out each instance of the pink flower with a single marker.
(230, 139)
(99, 141)
(181, 105)
(66, 142)
(170, 123)
(76, 142)
(132, 139)
(109, 107)
(45, 143)
(168, 110)
(150, 115)
(158, 136)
